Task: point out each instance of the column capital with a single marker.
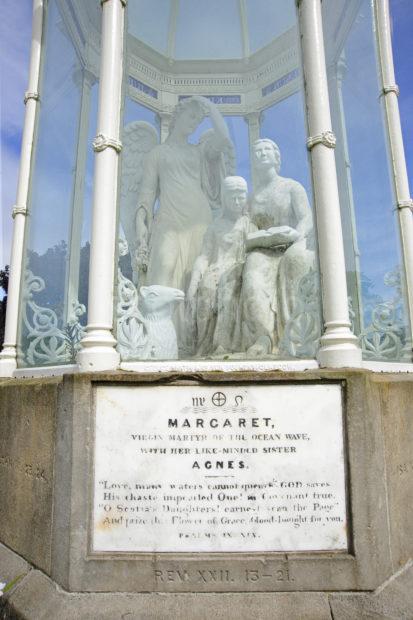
(163, 117)
(84, 76)
(253, 117)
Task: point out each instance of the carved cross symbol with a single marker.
(219, 399)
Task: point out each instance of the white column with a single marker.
(339, 347)
(8, 355)
(389, 93)
(253, 120)
(337, 72)
(164, 121)
(84, 80)
(98, 346)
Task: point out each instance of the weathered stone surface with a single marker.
(53, 419)
(11, 565)
(396, 398)
(38, 598)
(392, 601)
(27, 414)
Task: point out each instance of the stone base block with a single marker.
(37, 597)
(46, 497)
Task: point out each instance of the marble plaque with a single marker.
(217, 468)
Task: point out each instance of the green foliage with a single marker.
(4, 278)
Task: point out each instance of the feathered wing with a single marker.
(215, 167)
(139, 138)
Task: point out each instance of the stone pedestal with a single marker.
(47, 461)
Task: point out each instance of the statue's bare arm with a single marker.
(220, 138)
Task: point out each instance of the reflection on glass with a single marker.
(197, 20)
(284, 123)
(194, 110)
(57, 250)
(370, 230)
(267, 20)
(149, 21)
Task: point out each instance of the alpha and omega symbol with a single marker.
(219, 399)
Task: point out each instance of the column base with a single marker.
(339, 349)
(8, 362)
(98, 351)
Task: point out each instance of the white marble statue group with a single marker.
(191, 225)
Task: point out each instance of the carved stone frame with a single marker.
(367, 564)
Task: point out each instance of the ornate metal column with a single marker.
(8, 356)
(339, 346)
(98, 346)
(389, 93)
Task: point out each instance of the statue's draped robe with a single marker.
(186, 179)
(271, 276)
(217, 301)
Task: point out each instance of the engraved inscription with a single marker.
(405, 468)
(33, 471)
(223, 575)
(203, 469)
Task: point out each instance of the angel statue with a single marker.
(186, 178)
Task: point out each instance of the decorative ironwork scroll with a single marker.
(385, 338)
(302, 333)
(49, 343)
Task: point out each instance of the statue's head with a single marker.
(266, 154)
(188, 114)
(234, 194)
(159, 300)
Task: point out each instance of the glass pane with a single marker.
(149, 22)
(367, 202)
(217, 256)
(197, 20)
(284, 123)
(268, 20)
(57, 235)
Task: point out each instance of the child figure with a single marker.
(214, 290)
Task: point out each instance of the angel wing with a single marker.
(139, 137)
(214, 171)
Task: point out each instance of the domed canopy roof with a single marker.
(217, 29)
(183, 30)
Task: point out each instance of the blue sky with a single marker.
(15, 34)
